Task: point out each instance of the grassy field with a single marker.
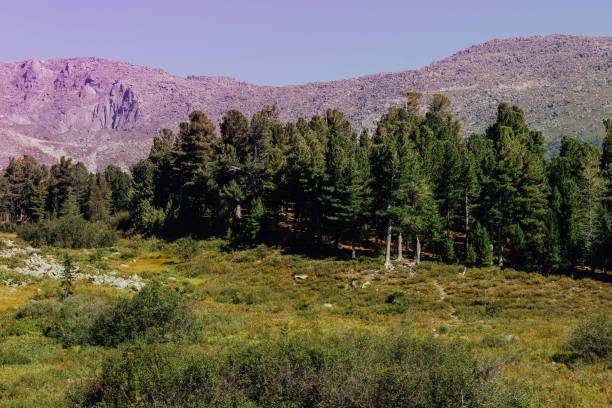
(521, 319)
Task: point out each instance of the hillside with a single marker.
(260, 295)
(102, 112)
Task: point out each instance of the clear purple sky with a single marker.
(281, 42)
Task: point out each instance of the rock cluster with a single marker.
(40, 266)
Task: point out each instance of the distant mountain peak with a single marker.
(105, 112)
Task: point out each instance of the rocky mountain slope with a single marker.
(102, 112)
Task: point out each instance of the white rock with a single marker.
(47, 266)
(512, 337)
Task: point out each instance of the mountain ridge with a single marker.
(104, 112)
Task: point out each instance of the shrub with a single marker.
(69, 321)
(99, 255)
(592, 338)
(492, 310)
(68, 232)
(72, 323)
(302, 371)
(395, 297)
(152, 376)
(186, 248)
(147, 219)
(38, 310)
(391, 372)
(155, 314)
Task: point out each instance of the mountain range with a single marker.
(106, 112)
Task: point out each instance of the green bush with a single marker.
(69, 321)
(39, 311)
(99, 255)
(385, 372)
(592, 338)
(303, 371)
(160, 375)
(186, 248)
(68, 232)
(73, 323)
(155, 314)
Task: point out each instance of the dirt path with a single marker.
(443, 296)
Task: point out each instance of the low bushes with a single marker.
(186, 248)
(302, 371)
(592, 338)
(160, 375)
(156, 314)
(68, 232)
(73, 322)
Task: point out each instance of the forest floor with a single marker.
(521, 319)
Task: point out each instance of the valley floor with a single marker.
(522, 319)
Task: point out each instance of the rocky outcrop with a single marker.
(104, 112)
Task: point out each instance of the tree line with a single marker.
(414, 183)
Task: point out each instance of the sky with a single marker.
(279, 42)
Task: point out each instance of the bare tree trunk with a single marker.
(238, 212)
(353, 255)
(399, 247)
(388, 263)
(417, 251)
(500, 254)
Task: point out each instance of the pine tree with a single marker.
(306, 168)
(99, 201)
(588, 215)
(403, 196)
(194, 190)
(120, 185)
(565, 178)
(411, 103)
(233, 157)
(470, 188)
(552, 253)
(255, 219)
(60, 185)
(70, 206)
(606, 163)
(26, 189)
(67, 275)
(518, 186)
(482, 246)
(449, 187)
(341, 200)
(440, 103)
(80, 186)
